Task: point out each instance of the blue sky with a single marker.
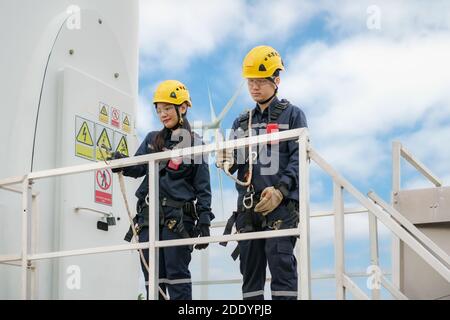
(365, 73)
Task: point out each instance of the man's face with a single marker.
(261, 89)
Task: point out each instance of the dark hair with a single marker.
(165, 133)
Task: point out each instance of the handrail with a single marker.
(317, 276)
(435, 249)
(392, 289)
(396, 228)
(420, 167)
(26, 258)
(399, 152)
(165, 155)
(12, 181)
(354, 289)
(423, 246)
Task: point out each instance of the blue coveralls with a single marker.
(277, 252)
(189, 183)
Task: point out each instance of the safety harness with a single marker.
(254, 221)
(141, 220)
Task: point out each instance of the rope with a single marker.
(133, 228)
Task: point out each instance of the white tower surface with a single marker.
(63, 64)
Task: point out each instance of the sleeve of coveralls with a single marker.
(289, 175)
(140, 169)
(202, 189)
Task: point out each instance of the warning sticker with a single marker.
(120, 143)
(103, 112)
(115, 117)
(126, 122)
(84, 142)
(103, 186)
(103, 142)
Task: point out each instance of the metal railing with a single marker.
(399, 152)
(410, 236)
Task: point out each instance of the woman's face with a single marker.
(168, 115)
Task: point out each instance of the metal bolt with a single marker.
(71, 51)
(116, 75)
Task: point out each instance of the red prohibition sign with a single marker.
(103, 179)
(116, 114)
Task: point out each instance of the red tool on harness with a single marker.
(175, 163)
(271, 128)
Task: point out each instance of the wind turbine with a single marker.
(216, 121)
(215, 125)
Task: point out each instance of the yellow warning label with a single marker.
(103, 114)
(122, 147)
(84, 136)
(126, 123)
(103, 145)
(84, 143)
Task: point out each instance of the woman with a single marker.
(184, 190)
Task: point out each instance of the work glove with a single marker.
(270, 200)
(202, 231)
(114, 156)
(224, 159)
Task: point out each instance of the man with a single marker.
(270, 201)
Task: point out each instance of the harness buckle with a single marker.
(247, 201)
(171, 223)
(275, 225)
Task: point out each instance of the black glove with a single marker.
(114, 156)
(202, 231)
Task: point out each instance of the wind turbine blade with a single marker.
(211, 107)
(230, 103)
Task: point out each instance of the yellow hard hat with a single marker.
(172, 91)
(261, 62)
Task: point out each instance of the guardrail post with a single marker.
(303, 263)
(339, 244)
(396, 182)
(26, 213)
(374, 259)
(153, 257)
(35, 215)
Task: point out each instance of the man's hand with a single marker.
(116, 155)
(202, 231)
(270, 200)
(224, 159)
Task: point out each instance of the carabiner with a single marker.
(248, 196)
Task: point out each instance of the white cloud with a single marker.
(397, 18)
(174, 32)
(364, 88)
